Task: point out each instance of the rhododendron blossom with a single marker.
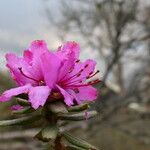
(45, 75)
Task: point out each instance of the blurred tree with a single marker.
(111, 26)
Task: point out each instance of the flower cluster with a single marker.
(46, 75)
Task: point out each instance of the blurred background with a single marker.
(116, 33)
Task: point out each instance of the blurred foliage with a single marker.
(5, 83)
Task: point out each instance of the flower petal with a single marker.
(68, 98)
(28, 56)
(50, 64)
(14, 92)
(38, 96)
(69, 48)
(38, 47)
(87, 93)
(14, 63)
(68, 53)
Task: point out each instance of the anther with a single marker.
(94, 82)
(92, 75)
(86, 66)
(78, 74)
(81, 70)
(77, 60)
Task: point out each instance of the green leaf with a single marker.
(23, 102)
(48, 133)
(77, 116)
(19, 121)
(23, 111)
(78, 142)
(57, 107)
(72, 147)
(78, 108)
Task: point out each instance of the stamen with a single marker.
(86, 84)
(62, 78)
(73, 82)
(92, 75)
(77, 60)
(20, 69)
(80, 80)
(78, 74)
(75, 75)
(94, 82)
(86, 66)
(70, 70)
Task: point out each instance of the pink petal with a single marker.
(38, 47)
(87, 93)
(14, 63)
(33, 64)
(50, 64)
(68, 53)
(74, 95)
(16, 107)
(28, 56)
(38, 96)
(69, 48)
(30, 64)
(14, 92)
(68, 98)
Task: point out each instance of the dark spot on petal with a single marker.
(76, 91)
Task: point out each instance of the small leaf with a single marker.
(19, 121)
(78, 142)
(72, 147)
(77, 116)
(78, 108)
(23, 111)
(23, 102)
(47, 133)
(57, 107)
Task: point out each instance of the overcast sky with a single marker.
(22, 21)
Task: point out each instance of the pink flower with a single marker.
(70, 75)
(44, 75)
(27, 73)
